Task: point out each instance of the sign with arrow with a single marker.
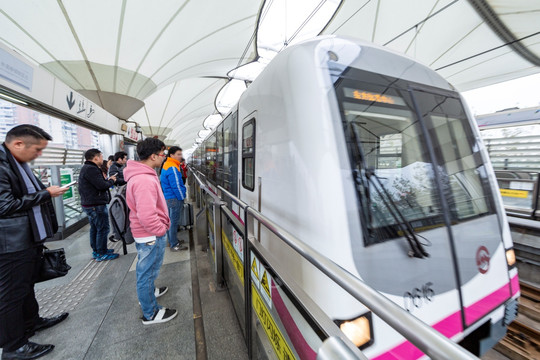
(70, 100)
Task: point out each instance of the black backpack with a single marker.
(119, 215)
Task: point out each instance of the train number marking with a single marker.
(418, 297)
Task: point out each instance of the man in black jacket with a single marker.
(27, 218)
(94, 192)
(117, 168)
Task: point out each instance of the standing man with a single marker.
(27, 218)
(149, 223)
(175, 193)
(94, 192)
(117, 167)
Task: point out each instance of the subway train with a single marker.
(373, 160)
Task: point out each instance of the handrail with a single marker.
(427, 339)
(234, 199)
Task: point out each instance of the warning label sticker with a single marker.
(233, 256)
(266, 286)
(281, 348)
(255, 271)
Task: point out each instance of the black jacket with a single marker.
(119, 171)
(93, 187)
(18, 227)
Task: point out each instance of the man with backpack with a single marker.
(149, 221)
(94, 192)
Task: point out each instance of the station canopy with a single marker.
(176, 66)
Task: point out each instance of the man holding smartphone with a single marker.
(117, 167)
(94, 192)
(27, 219)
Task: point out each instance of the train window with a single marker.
(230, 153)
(457, 151)
(211, 150)
(248, 155)
(398, 186)
(219, 155)
(394, 176)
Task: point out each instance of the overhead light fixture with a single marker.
(212, 121)
(204, 133)
(12, 99)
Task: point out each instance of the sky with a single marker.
(523, 93)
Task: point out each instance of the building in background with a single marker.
(65, 134)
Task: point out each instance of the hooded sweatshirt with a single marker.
(149, 215)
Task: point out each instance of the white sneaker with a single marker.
(162, 316)
(160, 291)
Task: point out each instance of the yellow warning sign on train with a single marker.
(233, 256)
(255, 267)
(514, 193)
(264, 283)
(276, 338)
(255, 278)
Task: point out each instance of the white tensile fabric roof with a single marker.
(163, 63)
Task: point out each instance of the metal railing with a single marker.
(520, 190)
(428, 340)
(68, 207)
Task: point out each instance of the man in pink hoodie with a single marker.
(149, 219)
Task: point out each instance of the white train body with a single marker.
(347, 137)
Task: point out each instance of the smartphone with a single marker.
(112, 175)
(69, 185)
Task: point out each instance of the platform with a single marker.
(104, 320)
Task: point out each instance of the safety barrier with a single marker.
(255, 279)
(520, 192)
(68, 207)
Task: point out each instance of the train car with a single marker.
(373, 160)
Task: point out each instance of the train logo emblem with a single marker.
(482, 259)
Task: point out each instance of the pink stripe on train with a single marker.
(451, 325)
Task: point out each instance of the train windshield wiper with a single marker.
(416, 247)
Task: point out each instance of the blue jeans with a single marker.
(176, 208)
(98, 216)
(147, 270)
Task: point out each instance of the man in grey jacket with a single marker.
(27, 218)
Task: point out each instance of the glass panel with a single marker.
(248, 155)
(219, 155)
(464, 176)
(230, 151)
(249, 181)
(393, 172)
(211, 150)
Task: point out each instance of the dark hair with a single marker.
(91, 153)
(110, 158)
(149, 146)
(27, 131)
(173, 150)
(104, 167)
(119, 155)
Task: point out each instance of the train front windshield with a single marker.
(413, 154)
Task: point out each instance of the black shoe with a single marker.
(44, 323)
(29, 350)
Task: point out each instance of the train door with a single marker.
(474, 226)
(249, 184)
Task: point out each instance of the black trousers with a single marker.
(19, 310)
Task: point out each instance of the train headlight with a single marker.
(358, 330)
(510, 257)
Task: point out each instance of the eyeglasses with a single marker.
(162, 155)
